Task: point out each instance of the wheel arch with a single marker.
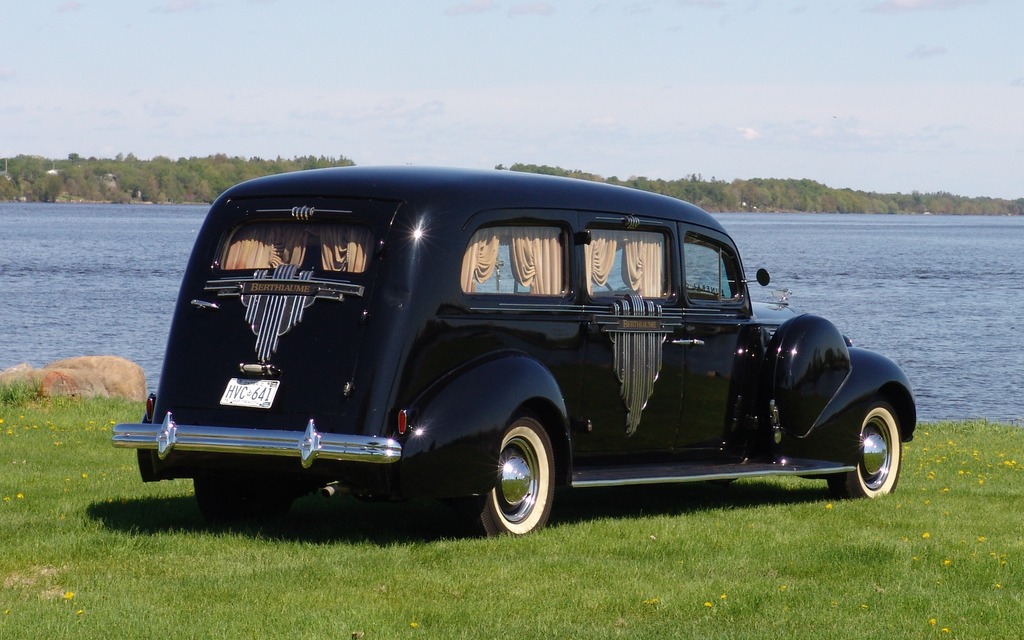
(452, 446)
(552, 419)
(902, 401)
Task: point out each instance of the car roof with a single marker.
(473, 189)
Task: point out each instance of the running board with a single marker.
(671, 473)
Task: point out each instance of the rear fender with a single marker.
(456, 426)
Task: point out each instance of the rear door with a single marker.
(270, 317)
(632, 377)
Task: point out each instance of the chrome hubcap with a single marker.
(518, 480)
(876, 459)
(515, 481)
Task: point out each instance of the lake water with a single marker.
(939, 295)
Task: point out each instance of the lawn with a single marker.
(89, 551)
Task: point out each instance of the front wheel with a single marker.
(520, 501)
(881, 454)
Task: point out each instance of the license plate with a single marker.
(258, 394)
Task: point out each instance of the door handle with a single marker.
(692, 342)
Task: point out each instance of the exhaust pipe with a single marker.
(334, 489)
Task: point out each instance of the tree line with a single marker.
(799, 195)
(126, 179)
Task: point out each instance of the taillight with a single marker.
(150, 407)
(403, 421)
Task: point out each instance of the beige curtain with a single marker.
(345, 248)
(643, 265)
(245, 252)
(480, 258)
(536, 254)
(265, 246)
(600, 256)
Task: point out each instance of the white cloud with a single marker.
(6, 73)
(749, 133)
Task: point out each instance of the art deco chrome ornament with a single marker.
(276, 300)
(637, 335)
(271, 314)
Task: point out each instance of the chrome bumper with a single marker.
(307, 446)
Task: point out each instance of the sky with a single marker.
(875, 95)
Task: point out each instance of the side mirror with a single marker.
(763, 278)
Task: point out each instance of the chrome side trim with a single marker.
(308, 446)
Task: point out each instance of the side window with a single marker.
(627, 262)
(515, 260)
(712, 272)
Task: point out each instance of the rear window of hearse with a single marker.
(335, 247)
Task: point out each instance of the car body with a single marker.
(483, 336)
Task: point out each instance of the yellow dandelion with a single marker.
(722, 597)
(709, 604)
(20, 496)
(947, 562)
(414, 624)
(926, 535)
(85, 475)
(828, 506)
(982, 538)
(69, 595)
(932, 621)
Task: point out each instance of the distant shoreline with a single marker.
(200, 181)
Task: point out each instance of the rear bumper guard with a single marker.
(308, 446)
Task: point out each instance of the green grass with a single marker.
(89, 551)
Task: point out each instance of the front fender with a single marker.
(873, 376)
(835, 434)
(451, 447)
(808, 362)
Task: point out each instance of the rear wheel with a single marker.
(881, 452)
(227, 497)
(520, 501)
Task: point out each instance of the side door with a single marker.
(632, 372)
(717, 318)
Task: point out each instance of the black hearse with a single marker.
(484, 336)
